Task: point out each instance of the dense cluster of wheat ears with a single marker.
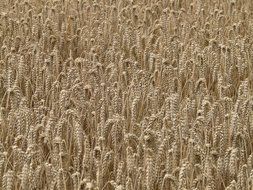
(126, 94)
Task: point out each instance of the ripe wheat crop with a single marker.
(126, 94)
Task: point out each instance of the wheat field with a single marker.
(126, 95)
